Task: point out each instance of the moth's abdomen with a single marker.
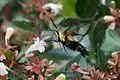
(76, 46)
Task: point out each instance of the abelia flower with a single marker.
(43, 66)
(32, 78)
(77, 68)
(61, 77)
(8, 34)
(55, 8)
(114, 18)
(3, 69)
(39, 45)
(115, 66)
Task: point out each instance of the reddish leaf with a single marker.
(3, 77)
(37, 5)
(2, 57)
(35, 60)
(2, 50)
(36, 69)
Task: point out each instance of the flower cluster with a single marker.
(114, 18)
(42, 67)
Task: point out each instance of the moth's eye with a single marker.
(49, 9)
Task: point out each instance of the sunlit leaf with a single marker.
(69, 7)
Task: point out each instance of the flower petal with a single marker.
(3, 70)
(61, 77)
(8, 34)
(41, 49)
(31, 48)
(36, 69)
(54, 7)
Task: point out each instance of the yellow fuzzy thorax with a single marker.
(61, 36)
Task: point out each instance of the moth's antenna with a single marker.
(53, 23)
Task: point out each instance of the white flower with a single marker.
(61, 77)
(39, 45)
(8, 34)
(3, 69)
(55, 8)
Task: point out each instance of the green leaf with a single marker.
(69, 7)
(86, 8)
(21, 76)
(12, 76)
(101, 59)
(55, 56)
(91, 58)
(75, 59)
(117, 3)
(103, 10)
(25, 25)
(3, 3)
(112, 41)
(97, 35)
(22, 23)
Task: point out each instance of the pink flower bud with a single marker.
(108, 19)
(8, 34)
(115, 54)
(113, 4)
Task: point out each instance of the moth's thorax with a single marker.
(61, 36)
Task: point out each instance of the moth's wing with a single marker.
(69, 22)
(73, 25)
(72, 31)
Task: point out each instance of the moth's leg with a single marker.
(83, 35)
(60, 47)
(89, 29)
(65, 50)
(52, 41)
